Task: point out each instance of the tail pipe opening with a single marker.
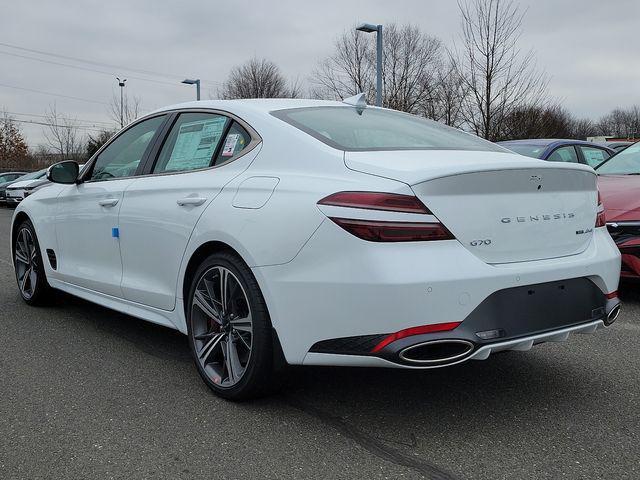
(440, 352)
(612, 308)
(612, 316)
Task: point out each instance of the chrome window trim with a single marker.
(256, 140)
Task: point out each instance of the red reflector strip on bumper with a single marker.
(409, 332)
(612, 295)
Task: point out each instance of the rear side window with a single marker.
(235, 142)
(370, 129)
(593, 156)
(564, 154)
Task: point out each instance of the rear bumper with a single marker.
(339, 286)
(482, 353)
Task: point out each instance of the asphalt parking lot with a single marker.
(89, 393)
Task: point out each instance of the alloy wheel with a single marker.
(222, 326)
(26, 262)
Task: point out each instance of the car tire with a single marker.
(29, 266)
(230, 335)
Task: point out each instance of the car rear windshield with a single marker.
(369, 129)
(625, 162)
(527, 149)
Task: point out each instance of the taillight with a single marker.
(386, 231)
(376, 201)
(409, 332)
(600, 218)
(377, 231)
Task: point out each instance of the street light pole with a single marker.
(121, 84)
(370, 28)
(195, 82)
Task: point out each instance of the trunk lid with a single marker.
(502, 207)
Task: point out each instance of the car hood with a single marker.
(620, 196)
(26, 183)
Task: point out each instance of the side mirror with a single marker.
(63, 172)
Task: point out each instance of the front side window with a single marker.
(201, 140)
(122, 156)
(593, 156)
(626, 162)
(564, 154)
(371, 129)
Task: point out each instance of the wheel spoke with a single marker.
(242, 324)
(243, 340)
(212, 296)
(207, 308)
(25, 240)
(20, 257)
(210, 346)
(33, 278)
(23, 280)
(231, 361)
(223, 272)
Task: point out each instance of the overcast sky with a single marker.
(588, 47)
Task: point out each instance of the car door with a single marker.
(593, 156)
(160, 210)
(87, 212)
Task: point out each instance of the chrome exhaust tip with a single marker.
(612, 316)
(439, 352)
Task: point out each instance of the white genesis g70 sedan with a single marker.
(300, 232)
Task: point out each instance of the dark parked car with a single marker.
(7, 178)
(576, 151)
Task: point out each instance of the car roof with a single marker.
(548, 141)
(263, 105)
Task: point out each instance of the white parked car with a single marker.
(304, 232)
(22, 188)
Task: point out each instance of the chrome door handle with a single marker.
(108, 202)
(191, 201)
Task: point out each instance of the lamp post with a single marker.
(370, 28)
(121, 84)
(195, 82)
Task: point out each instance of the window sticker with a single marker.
(196, 143)
(593, 156)
(230, 145)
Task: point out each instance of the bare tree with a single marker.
(413, 68)
(621, 123)
(62, 135)
(131, 107)
(348, 71)
(258, 78)
(499, 78)
(450, 96)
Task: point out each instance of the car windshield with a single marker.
(370, 129)
(625, 162)
(527, 149)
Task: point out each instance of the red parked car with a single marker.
(619, 185)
